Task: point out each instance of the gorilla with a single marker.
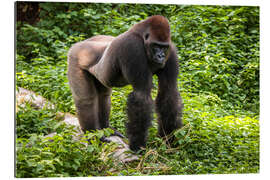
(97, 64)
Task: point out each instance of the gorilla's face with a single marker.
(159, 53)
(156, 51)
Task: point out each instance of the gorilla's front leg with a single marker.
(168, 101)
(139, 110)
(169, 109)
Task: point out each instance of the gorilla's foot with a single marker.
(115, 134)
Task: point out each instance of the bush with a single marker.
(218, 49)
(62, 156)
(218, 45)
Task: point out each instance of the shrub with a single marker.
(218, 49)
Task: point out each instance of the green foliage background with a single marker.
(218, 50)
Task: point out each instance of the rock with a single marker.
(23, 96)
(123, 153)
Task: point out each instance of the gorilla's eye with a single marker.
(157, 49)
(146, 36)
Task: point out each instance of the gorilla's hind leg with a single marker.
(85, 96)
(104, 104)
(104, 108)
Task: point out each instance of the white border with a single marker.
(7, 86)
(188, 2)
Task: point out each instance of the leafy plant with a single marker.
(218, 49)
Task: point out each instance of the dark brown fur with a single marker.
(102, 62)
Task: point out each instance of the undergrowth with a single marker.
(218, 50)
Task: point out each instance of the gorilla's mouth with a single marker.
(159, 60)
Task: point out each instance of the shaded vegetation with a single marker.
(218, 50)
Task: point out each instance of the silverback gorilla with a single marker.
(97, 64)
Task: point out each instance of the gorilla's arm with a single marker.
(135, 69)
(168, 101)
